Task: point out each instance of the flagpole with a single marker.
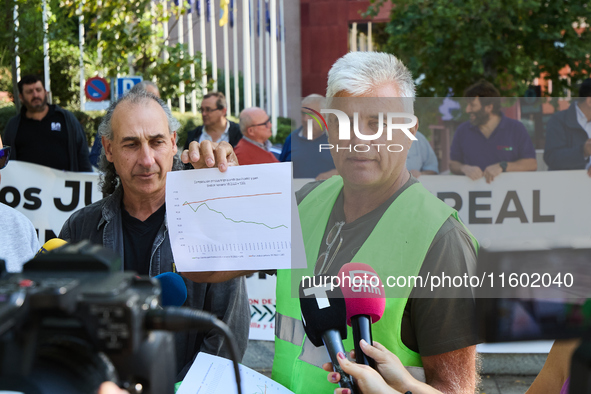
(224, 20)
(227, 70)
(181, 40)
(46, 51)
(246, 55)
(283, 71)
(267, 62)
(165, 32)
(81, 43)
(261, 57)
(274, 83)
(252, 52)
(214, 50)
(17, 59)
(192, 54)
(235, 56)
(203, 47)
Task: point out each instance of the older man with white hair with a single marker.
(376, 212)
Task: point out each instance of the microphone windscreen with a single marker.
(363, 291)
(323, 309)
(174, 290)
(52, 244)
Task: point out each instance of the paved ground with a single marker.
(259, 356)
(505, 384)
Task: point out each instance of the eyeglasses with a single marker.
(322, 267)
(205, 110)
(4, 156)
(265, 123)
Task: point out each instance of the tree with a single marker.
(132, 42)
(131, 39)
(453, 43)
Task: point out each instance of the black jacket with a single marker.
(565, 141)
(234, 132)
(77, 144)
(228, 301)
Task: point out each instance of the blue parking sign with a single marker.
(124, 84)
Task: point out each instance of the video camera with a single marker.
(72, 319)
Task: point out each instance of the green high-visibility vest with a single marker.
(398, 245)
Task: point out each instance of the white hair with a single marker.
(359, 73)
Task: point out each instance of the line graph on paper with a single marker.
(229, 222)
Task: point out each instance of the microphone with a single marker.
(365, 300)
(324, 318)
(52, 244)
(174, 290)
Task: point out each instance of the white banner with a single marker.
(261, 297)
(533, 210)
(46, 196)
(519, 209)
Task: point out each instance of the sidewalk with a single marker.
(496, 367)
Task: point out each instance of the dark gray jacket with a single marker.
(77, 144)
(565, 141)
(101, 224)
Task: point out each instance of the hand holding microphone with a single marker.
(324, 319)
(365, 301)
(392, 377)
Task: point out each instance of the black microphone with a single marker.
(324, 316)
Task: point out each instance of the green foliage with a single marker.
(188, 122)
(509, 43)
(5, 114)
(284, 127)
(131, 41)
(90, 122)
(175, 69)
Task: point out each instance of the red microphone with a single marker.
(365, 300)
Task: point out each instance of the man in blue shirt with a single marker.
(490, 143)
(421, 159)
(308, 160)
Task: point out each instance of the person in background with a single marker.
(45, 134)
(18, 238)
(308, 160)
(149, 87)
(554, 378)
(216, 127)
(254, 147)
(568, 134)
(490, 143)
(421, 159)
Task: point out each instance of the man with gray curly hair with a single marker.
(375, 212)
(139, 139)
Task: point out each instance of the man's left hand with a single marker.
(589, 172)
(491, 172)
(209, 154)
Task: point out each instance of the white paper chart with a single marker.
(237, 220)
(212, 375)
